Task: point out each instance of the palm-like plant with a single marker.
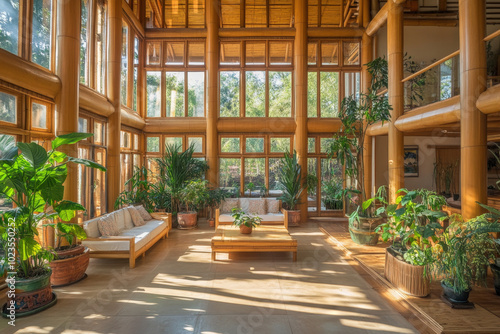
(290, 181)
(140, 190)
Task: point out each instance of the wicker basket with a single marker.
(404, 276)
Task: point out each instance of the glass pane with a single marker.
(196, 53)
(280, 94)
(229, 174)
(177, 141)
(84, 42)
(153, 102)
(39, 116)
(175, 13)
(275, 165)
(280, 13)
(230, 13)
(312, 13)
(136, 51)
(6, 143)
(196, 14)
(8, 108)
(329, 95)
(280, 53)
(196, 94)
(325, 144)
(197, 142)
(82, 125)
(98, 133)
(126, 170)
(351, 53)
(352, 84)
(312, 94)
(9, 25)
(331, 185)
(153, 17)
(330, 53)
(153, 53)
(255, 14)
(255, 102)
(153, 144)
(100, 54)
(99, 186)
(152, 165)
(330, 13)
(175, 94)
(312, 187)
(255, 53)
(255, 176)
(175, 54)
(83, 185)
(230, 94)
(136, 141)
(134, 96)
(124, 74)
(41, 32)
(230, 145)
(280, 145)
(312, 53)
(230, 53)
(254, 145)
(311, 145)
(125, 139)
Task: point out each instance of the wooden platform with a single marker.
(264, 238)
(430, 314)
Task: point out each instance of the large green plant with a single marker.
(140, 190)
(194, 194)
(34, 181)
(178, 169)
(215, 197)
(357, 113)
(290, 181)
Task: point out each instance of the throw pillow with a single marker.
(257, 207)
(107, 226)
(273, 205)
(228, 205)
(143, 212)
(136, 216)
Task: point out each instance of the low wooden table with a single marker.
(264, 238)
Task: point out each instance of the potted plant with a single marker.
(462, 255)
(71, 260)
(215, 197)
(290, 182)
(250, 188)
(245, 222)
(34, 181)
(357, 113)
(161, 197)
(333, 193)
(140, 190)
(191, 197)
(414, 224)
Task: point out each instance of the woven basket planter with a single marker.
(404, 276)
(69, 270)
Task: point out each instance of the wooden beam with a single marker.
(334, 32)
(378, 21)
(431, 23)
(378, 129)
(134, 21)
(442, 6)
(317, 125)
(175, 125)
(489, 101)
(132, 119)
(367, 56)
(178, 33)
(92, 101)
(256, 124)
(256, 32)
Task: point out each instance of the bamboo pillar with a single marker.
(366, 57)
(68, 71)
(114, 17)
(473, 169)
(212, 89)
(395, 32)
(300, 62)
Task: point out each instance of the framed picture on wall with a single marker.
(411, 161)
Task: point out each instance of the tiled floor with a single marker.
(177, 289)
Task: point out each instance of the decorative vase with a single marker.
(362, 230)
(461, 297)
(294, 218)
(70, 266)
(245, 229)
(187, 220)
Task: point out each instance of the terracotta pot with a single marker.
(69, 270)
(293, 217)
(187, 220)
(33, 294)
(245, 229)
(71, 252)
(211, 222)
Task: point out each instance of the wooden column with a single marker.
(212, 90)
(68, 71)
(114, 17)
(366, 57)
(473, 169)
(395, 52)
(300, 62)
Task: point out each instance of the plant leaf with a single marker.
(67, 210)
(70, 138)
(33, 153)
(87, 163)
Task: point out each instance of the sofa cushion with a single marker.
(257, 206)
(144, 213)
(123, 219)
(91, 228)
(244, 202)
(107, 226)
(273, 205)
(136, 216)
(228, 205)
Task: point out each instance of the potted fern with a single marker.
(290, 182)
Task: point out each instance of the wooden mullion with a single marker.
(242, 13)
(163, 100)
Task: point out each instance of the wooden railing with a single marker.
(491, 36)
(437, 63)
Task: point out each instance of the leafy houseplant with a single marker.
(290, 182)
(334, 195)
(215, 197)
(245, 222)
(34, 181)
(140, 190)
(311, 184)
(191, 197)
(357, 113)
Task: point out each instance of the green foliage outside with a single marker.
(9, 25)
(41, 33)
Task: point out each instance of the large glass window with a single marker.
(280, 94)
(9, 25)
(41, 37)
(312, 94)
(153, 90)
(230, 94)
(124, 70)
(255, 102)
(230, 174)
(84, 38)
(329, 94)
(255, 175)
(275, 165)
(196, 94)
(136, 72)
(100, 40)
(174, 82)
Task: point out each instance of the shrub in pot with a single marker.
(334, 194)
(215, 197)
(191, 197)
(34, 181)
(290, 182)
(140, 190)
(245, 222)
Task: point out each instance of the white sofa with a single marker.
(280, 218)
(132, 241)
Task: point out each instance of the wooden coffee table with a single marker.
(264, 238)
